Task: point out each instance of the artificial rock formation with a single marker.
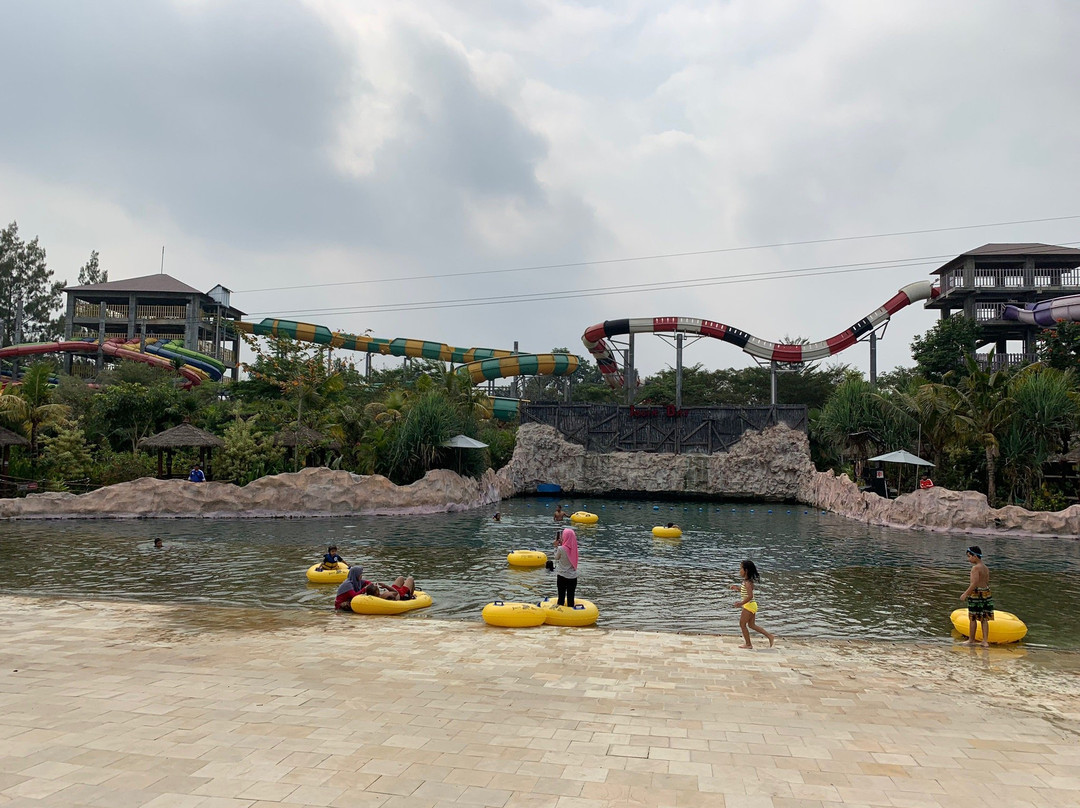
(769, 465)
(310, 492)
(937, 509)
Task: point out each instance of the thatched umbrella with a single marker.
(7, 440)
(299, 436)
(295, 437)
(184, 436)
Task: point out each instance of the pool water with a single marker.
(822, 576)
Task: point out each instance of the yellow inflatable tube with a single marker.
(1005, 627)
(330, 574)
(526, 558)
(662, 532)
(369, 604)
(513, 615)
(584, 613)
(584, 518)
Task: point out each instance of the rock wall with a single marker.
(937, 509)
(772, 465)
(769, 465)
(311, 492)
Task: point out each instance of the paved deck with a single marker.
(114, 705)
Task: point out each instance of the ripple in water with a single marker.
(823, 576)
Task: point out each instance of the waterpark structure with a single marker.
(773, 352)
(977, 283)
(476, 364)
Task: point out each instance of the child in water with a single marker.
(331, 559)
(748, 615)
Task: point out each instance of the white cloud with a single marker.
(279, 142)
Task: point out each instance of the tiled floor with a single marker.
(115, 705)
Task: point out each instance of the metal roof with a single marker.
(145, 283)
(1019, 250)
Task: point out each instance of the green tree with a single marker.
(1045, 412)
(430, 421)
(246, 456)
(851, 421)
(981, 403)
(25, 279)
(91, 272)
(130, 412)
(32, 404)
(1059, 347)
(943, 347)
(66, 454)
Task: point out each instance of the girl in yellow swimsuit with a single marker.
(748, 615)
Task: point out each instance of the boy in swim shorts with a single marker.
(980, 601)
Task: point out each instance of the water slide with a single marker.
(1046, 313)
(479, 364)
(119, 349)
(758, 348)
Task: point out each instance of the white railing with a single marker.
(1012, 278)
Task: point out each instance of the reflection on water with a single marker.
(823, 576)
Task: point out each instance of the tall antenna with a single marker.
(162, 271)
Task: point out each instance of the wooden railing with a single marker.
(161, 312)
(1003, 360)
(653, 428)
(113, 311)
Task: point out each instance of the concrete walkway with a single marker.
(115, 705)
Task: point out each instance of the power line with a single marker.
(602, 262)
(832, 269)
(601, 291)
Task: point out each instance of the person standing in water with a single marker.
(566, 562)
(749, 606)
(980, 601)
(559, 514)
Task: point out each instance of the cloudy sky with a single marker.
(324, 159)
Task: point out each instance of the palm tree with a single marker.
(983, 408)
(31, 403)
(1046, 412)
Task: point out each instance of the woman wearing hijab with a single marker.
(352, 586)
(566, 558)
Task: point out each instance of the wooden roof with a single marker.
(182, 437)
(9, 438)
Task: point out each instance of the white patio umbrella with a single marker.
(463, 442)
(901, 456)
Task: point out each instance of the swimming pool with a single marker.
(823, 576)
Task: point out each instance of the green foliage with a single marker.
(25, 278)
(129, 412)
(501, 439)
(91, 272)
(31, 404)
(942, 348)
(111, 467)
(807, 385)
(246, 456)
(417, 448)
(66, 455)
(1047, 500)
(1059, 347)
(975, 425)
